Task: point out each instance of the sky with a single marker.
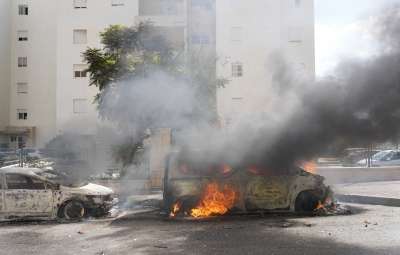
(341, 31)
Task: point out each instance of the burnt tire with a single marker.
(72, 210)
(306, 202)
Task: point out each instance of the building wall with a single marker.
(4, 62)
(95, 18)
(40, 73)
(238, 31)
(248, 32)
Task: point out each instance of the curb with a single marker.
(357, 199)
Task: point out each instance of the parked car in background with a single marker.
(30, 153)
(25, 194)
(352, 156)
(383, 158)
(7, 157)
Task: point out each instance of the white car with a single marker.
(294, 190)
(25, 194)
(383, 158)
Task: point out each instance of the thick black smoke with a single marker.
(360, 104)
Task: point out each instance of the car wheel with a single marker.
(73, 210)
(306, 201)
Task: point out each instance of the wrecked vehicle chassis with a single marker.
(297, 191)
(26, 195)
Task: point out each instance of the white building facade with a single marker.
(44, 90)
(249, 33)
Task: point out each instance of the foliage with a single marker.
(127, 52)
(134, 53)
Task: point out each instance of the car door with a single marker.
(27, 196)
(267, 192)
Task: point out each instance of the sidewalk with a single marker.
(374, 193)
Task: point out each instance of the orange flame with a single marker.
(319, 206)
(175, 209)
(309, 166)
(215, 201)
(226, 169)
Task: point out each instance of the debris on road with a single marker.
(161, 246)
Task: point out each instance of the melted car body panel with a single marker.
(256, 190)
(268, 193)
(29, 201)
(44, 198)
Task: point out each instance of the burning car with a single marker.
(25, 193)
(199, 187)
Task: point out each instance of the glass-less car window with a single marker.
(17, 181)
(37, 184)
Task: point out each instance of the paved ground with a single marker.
(371, 230)
(340, 175)
(389, 189)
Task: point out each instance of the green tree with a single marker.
(134, 53)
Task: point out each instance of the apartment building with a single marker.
(43, 87)
(5, 67)
(248, 33)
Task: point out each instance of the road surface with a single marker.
(370, 230)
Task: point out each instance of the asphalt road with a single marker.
(370, 230)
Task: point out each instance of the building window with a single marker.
(80, 71)
(236, 34)
(295, 35)
(22, 35)
(13, 139)
(22, 61)
(117, 2)
(237, 69)
(80, 4)
(200, 39)
(23, 9)
(80, 36)
(205, 4)
(22, 114)
(161, 7)
(22, 88)
(297, 3)
(80, 105)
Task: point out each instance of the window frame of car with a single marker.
(29, 179)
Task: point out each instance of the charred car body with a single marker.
(24, 193)
(294, 190)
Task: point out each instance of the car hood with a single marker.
(90, 189)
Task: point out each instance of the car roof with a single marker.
(20, 170)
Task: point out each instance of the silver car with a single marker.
(25, 194)
(383, 158)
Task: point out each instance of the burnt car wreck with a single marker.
(26, 194)
(200, 188)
